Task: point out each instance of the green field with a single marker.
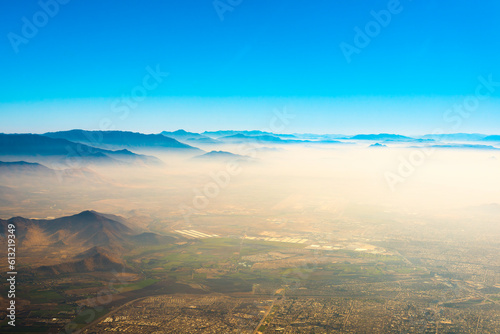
(134, 286)
(42, 296)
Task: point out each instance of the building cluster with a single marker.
(186, 314)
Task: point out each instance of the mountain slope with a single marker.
(100, 240)
(86, 229)
(265, 138)
(123, 139)
(24, 167)
(223, 133)
(65, 152)
(465, 146)
(148, 238)
(191, 137)
(222, 156)
(492, 138)
(455, 136)
(94, 259)
(380, 136)
(21, 172)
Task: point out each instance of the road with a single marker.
(111, 313)
(264, 318)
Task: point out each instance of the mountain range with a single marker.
(86, 229)
(77, 149)
(380, 136)
(456, 137)
(15, 172)
(65, 152)
(224, 133)
(123, 139)
(24, 167)
(223, 156)
(239, 138)
(102, 237)
(464, 146)
(492, 138)
(92, 260)
(190, 137)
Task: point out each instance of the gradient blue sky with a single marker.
(233, 73)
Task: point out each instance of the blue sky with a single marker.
(81, 64)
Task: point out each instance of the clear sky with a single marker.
(231, 63)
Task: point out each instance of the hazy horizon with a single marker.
(370, 205)
(349, 116)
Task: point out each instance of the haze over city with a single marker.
(235, 166)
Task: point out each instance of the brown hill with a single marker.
(105, 239)
(86, 229)
(94, 259)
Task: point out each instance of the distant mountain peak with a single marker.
(115, 139)
(93, 251)
(56, 148)
(191, 137)
(20, 163)
(125, 151)
(222, 155)
(88, 214)
(378, 145)
(379, 136)
(492, 138)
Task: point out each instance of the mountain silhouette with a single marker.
(123, 139)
